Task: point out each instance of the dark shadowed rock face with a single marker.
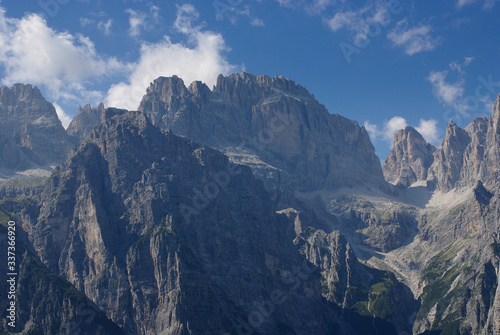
(409, 159)
(168, 237)
(30, 131)
(271, 124)
(46, 303)
(88, 117)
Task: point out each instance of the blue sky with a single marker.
(384, 63)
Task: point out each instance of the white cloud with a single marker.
(359, 22)
(136, 21)
(427, 128)
(461, 3)
(413, 40)
(105, 27)
(256, 22)
(311, 6)
(62, 63)
(203, 60)
(85, 21)
(450, 94)
(446, 92)
(388, 130)
(65, 118)
(140, 21)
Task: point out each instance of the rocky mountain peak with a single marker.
(199, 88)
(88, 117)
(239, 83)
(19, 92)
(409, 159)
(31, 133)
(168, 87)
(273, 122)
(468, 154)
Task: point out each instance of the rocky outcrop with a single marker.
(88, 117)
(30, 132)
(46, 303)
(468, 155)
(409, 159)
(449, 158)
(271, 124)
(168, 237)
(374, 301)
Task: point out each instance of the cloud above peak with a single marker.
(203, 59)
(427, 128)
(60, 62)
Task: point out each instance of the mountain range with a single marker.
(247, 208)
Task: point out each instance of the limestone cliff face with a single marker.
(468, 155)
(168, 237)
(46, 303)
(374, 301)
(460, 282)
(88, 117)
(409, 159)
(271, 124)
(30, 131)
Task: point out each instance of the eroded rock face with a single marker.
(409, 159)
(30, 132)
(46, 303)
(468, 154)
(372, 300)
(271, 124)
(124, 221)
(88, 117)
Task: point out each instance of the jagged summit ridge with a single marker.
(274, 122)
(88, 117)
(467, 155)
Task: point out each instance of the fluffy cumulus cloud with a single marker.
(68, 68)
(413, 39)
(61, 63)
(203, 58)
(428, 129)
